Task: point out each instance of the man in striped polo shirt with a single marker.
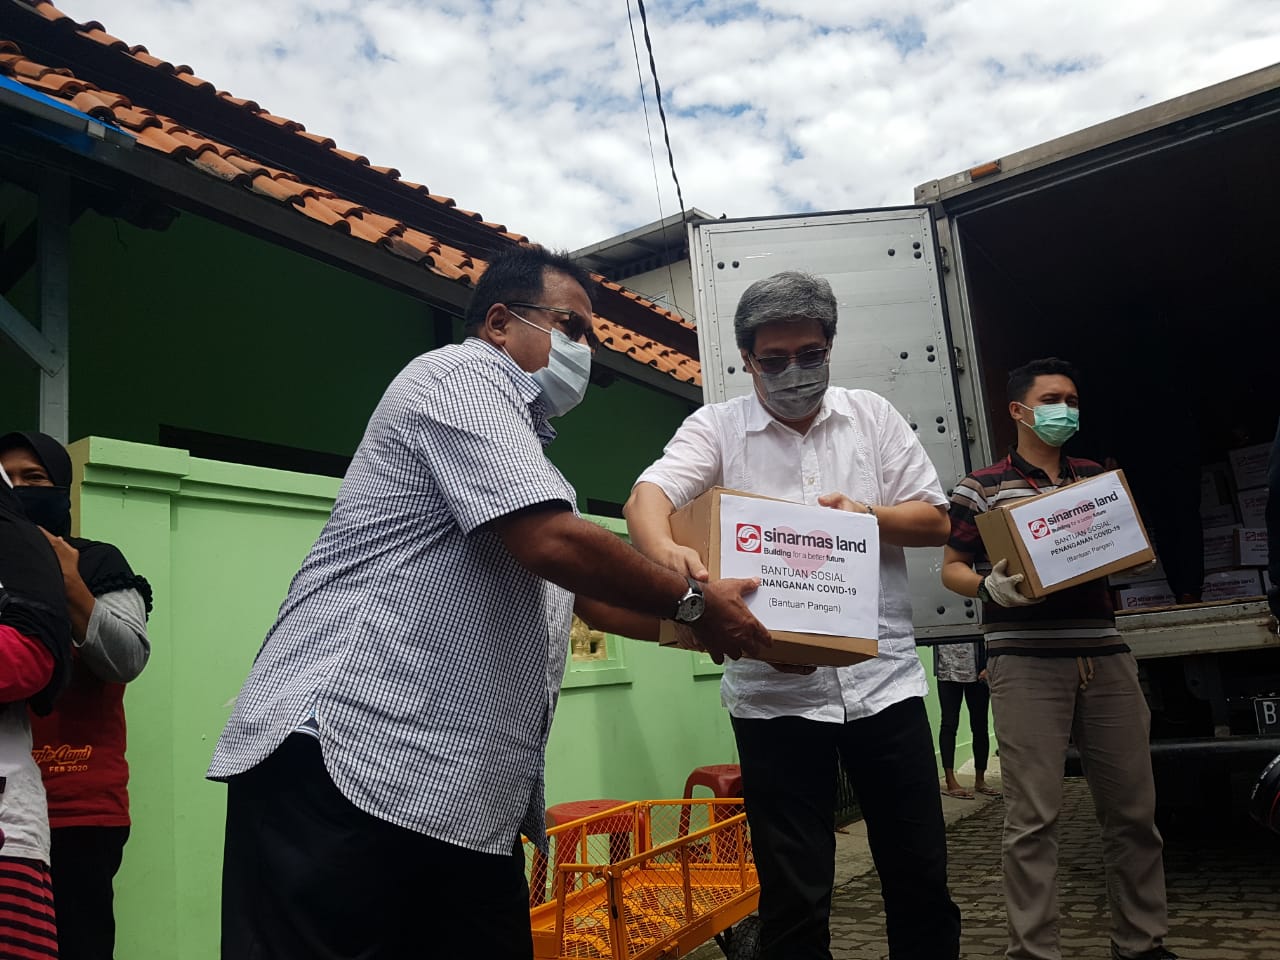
(1059, 670)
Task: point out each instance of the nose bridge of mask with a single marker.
(1051, 411)
(575, 356)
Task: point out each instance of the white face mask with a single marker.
(565, 377)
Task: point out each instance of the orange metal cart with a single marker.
(644, 880)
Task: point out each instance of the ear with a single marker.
(496, 322)
(746, 361)
(1015, 410)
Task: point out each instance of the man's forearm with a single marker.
(588, 560)
(913, 524)
(648, 513)
(961, 578)
(604, 616)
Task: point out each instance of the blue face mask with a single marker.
(1056, 423)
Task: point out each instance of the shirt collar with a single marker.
(759, 419)
(527, 387)
(1028, 469)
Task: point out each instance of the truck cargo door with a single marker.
(892, 338)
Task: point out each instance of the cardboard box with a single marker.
(1251, 547)
(1140, 596)
(1253, 507)
(1214, 490)
(1223, 515)
(1232, 585)
(1081, 532)
(1249, 465)
(1220, 548)
(819, 571)
(1133, 576)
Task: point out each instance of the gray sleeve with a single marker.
(115, 647)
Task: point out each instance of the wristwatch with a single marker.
(983, 593)
(692, 605)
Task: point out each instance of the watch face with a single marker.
(691, 607)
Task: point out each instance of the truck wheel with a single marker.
(742, 941)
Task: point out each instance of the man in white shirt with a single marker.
(798, 439)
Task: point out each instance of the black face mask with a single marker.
(48, 507)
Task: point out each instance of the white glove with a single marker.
(1004, 589)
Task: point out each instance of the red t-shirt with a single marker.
(80, 749)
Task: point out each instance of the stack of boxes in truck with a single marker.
(1233, 500)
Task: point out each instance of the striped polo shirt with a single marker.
(1076, 622)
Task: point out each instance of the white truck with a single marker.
(1144, 250)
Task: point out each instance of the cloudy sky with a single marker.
(531, 112)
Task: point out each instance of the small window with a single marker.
(596, 658)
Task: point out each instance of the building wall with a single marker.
(661, 284)
(219, 543)
(203, 328)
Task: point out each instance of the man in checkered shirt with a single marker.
(386, 752)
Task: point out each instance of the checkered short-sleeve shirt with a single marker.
(428, 657)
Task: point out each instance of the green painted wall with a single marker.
(203, 328)
(219, 543)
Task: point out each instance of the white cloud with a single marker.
(529, 112)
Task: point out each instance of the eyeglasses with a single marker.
(806, 359)
(574, 324)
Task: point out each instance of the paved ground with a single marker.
(1224, 888)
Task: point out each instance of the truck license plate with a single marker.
(1268, 713)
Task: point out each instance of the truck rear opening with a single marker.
(1149, 261)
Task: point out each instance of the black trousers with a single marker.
(307, 875)
(789, 783)
(978, 696)
(85, 861)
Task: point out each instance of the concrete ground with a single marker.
(1223, 884)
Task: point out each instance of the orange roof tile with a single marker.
(213, 158)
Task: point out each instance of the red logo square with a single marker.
(749, 538)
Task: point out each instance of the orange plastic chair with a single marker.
(723, 780)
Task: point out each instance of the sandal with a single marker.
(988, 791)
(959, 793)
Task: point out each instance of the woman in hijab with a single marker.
(80, 747)
(35, 658)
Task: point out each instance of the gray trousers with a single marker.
(1038, 702)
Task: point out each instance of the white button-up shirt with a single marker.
(858, 445)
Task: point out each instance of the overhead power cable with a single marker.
(657, 95)
(653, 69)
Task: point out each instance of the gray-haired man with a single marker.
(799, 439)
